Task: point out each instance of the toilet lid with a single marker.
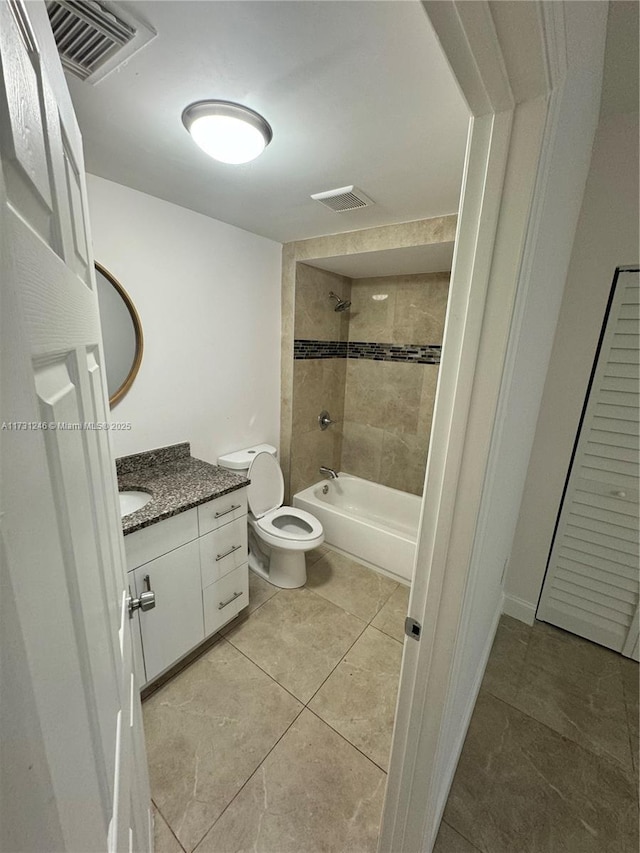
(266, 489)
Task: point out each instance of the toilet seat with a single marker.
(265, 492)
(267, 515)
(308, 527)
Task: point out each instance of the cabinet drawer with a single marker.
(219, 511)
(158, 539)
(225, 598)
(223, 550)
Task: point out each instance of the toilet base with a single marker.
(284, 569)
(287, 569)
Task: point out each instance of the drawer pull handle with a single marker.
(233, 598)
(226, 553)
(227, 511)
(620, 494)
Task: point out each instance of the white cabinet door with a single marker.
(75, 776)
(591, 586)
(175, 625)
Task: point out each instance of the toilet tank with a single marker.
(240, 460)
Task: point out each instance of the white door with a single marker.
(591, 587)
(73, 764)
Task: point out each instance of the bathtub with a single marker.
(373, 523)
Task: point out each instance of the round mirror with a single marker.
(121, 334)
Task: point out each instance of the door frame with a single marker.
(520, 67)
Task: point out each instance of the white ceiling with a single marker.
(356, 92)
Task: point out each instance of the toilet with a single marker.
(279, 536)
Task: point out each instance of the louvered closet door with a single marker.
(591, 586)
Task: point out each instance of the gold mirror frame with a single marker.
(137, 328)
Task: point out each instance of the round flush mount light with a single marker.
(226, 131)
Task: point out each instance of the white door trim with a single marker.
(510, 61)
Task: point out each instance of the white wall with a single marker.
(606, 237)
(208, 295)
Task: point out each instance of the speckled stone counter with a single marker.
(175, 479)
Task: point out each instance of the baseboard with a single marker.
(450, 768)
(519, 609)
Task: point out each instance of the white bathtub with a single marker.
(373, 523)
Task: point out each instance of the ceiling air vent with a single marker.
(343, 199)
(91, 39)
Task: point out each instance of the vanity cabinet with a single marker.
(196, 564)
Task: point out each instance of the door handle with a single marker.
(146, 601)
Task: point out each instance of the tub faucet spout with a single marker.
(329, 472)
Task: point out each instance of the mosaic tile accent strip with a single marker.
(414, 353)
(320, 349)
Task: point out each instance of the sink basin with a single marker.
(133, 500)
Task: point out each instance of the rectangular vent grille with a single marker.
(343, 199)
(86, 34)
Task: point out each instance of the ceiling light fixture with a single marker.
(226, 131)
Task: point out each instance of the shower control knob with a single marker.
(324, 419)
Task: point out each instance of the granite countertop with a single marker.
(176, 480)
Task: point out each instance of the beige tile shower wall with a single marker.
(389, 405)
(402, 309)
(315, 318)
(440, 229)
(318, 383)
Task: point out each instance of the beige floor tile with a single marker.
(313, 794)
(630, 672)
(506, 661)
(575, 687)
(298, 638)
(207, 730)
(562, 652)
(635, 753)
(358, 699)
(391, 617)
(450, 841)
(164, 841)
(350, 585)
(522, 787)
(314, 555)
(260, 591)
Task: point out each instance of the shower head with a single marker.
(341, 304)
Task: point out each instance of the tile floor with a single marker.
(277, 738)
(550, 759)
